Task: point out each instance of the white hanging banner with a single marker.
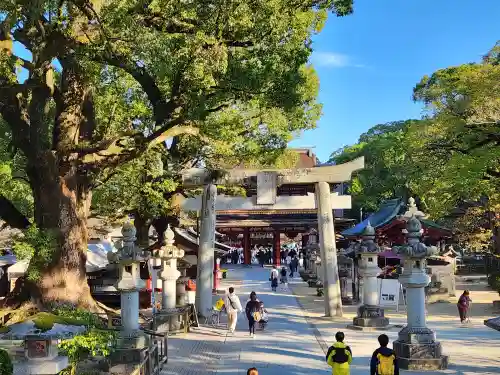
(389, 293)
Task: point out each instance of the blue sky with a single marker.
(369, 62)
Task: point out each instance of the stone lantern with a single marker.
(169, 272)
(416, 346)
(131, 340)
(370, 314)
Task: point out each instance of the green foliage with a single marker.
(449, 159)
(6, 367)
(94, 343)
(24, 246)
(390, 169)
(13, 185)
(459, 140)
(139, 187)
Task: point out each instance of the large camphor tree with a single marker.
(88, 85)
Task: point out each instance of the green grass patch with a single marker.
(44, 321)
(4, 329)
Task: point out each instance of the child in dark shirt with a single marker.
(384, 361)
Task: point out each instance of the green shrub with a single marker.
(6, 367)
(92, 343)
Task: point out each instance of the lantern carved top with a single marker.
(129, 232)
(415, 248)
(127, 251)
(367, 244)
(169, 250)
(169, 235)
(413, 210)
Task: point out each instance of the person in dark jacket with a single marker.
(463, 306)
(252, 308)
(384, 361)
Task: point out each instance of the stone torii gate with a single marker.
(267, 184)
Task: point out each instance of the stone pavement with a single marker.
(297, 337)
(473, 349)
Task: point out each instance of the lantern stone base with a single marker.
(417, 349)
(166, 321)
(41, 366)
(130, 347)
(493, 323)
(371, 316)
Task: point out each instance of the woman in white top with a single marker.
(233, 307)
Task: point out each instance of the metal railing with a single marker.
(155, 356)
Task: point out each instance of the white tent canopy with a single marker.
(97, 259)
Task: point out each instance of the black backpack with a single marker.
(340, 354)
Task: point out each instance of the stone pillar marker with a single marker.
(131, 341)
(416, 346)
(370, 314)
(169, 273)
(331, 286)
(206, 251)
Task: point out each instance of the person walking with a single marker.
(233, 307)
(252, 311)
(463, 306)
(274, 279)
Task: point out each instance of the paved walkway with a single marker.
(287, 345)
(297, 336)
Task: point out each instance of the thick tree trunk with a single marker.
(62, 204)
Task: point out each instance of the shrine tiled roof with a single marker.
(388, 211)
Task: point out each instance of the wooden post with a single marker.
(247, 256)
(277, 248)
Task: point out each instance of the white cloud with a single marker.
(333, 60)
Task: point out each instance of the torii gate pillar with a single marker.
(328, 248)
